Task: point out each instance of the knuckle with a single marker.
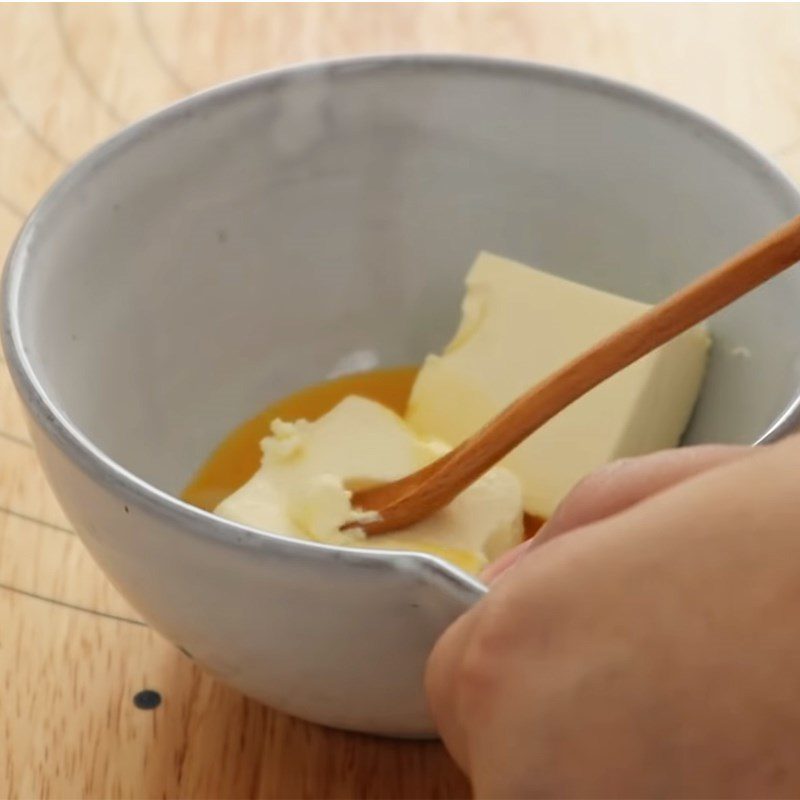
(590, 492)
(510, 632)
(596, 483)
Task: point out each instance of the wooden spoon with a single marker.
(406, 501)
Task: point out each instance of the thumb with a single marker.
(617, 486)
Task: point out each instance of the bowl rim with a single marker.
(95, 463)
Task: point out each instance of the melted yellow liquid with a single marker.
(236, 460)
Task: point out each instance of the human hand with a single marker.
(652, 651)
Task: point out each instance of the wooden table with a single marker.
(73, 654)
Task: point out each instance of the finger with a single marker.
(441, 688)
(624, 483)
(617, 486)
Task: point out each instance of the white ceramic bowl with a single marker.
(254, 238)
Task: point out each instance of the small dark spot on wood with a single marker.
(222, 236)
(185, 652)
(147, 699)
(74, 337)
(127, 510)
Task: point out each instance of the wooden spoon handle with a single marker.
(435, 486)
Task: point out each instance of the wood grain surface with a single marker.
(72, 653)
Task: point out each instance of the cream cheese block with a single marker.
(520, 324)
(310, 469)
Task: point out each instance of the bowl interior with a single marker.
(259, 238)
